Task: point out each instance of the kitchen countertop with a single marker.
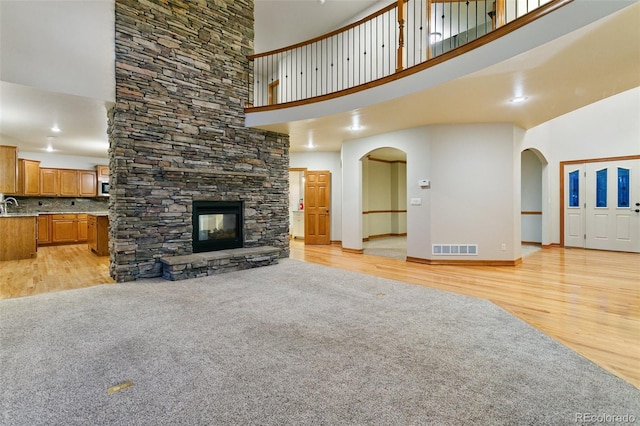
(17, 214)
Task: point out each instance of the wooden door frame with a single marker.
(571, 162)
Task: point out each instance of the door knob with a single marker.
(638, 204)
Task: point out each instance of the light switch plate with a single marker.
(416, 201)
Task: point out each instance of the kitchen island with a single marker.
(18, 236)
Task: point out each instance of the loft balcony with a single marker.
(415, 57)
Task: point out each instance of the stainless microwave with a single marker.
(103, 188)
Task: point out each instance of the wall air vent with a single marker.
(454, 249)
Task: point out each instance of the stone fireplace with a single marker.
(177, 135)
(217, 225)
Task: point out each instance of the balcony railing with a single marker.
(405, 34)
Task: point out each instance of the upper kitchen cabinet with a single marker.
(8, 169)
(28, 177)
(102, 172)
(68, 183)
(49, 182)
(87, 184)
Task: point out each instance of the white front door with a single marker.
(604, 204)
(574, 184)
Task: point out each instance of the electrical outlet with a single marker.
(503, 247)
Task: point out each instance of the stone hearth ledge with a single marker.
(196, 265)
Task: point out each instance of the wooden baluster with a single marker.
(501, 11)
(401, 21)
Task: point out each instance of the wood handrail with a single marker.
(474, 44)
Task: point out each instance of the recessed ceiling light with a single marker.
(518, 99)
(49, 148)
(355, 127)
(55, 129)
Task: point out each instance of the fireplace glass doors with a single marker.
(217, 225)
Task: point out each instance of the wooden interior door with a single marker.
(317, 207)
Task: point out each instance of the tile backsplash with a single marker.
(59, 205)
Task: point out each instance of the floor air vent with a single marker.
(454, 249)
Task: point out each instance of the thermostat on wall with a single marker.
(424, 183)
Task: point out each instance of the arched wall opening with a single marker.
(534, 197)
(384, 202)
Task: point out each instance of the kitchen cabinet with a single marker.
(98, 234)
(8, 169)
(49, 182)
(64, 228)
(21, 232)
(82, 228)
(87, 183)
(28, 177)
(68, 183)
(102, 172)
(44, 229)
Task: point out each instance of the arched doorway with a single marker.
(532, 206)
(384, 203)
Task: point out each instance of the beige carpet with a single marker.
(290, 344)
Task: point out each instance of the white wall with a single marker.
(609, 128)
(473, 189)
(398, 198)
(325, 161)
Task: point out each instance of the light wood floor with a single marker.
(587, 300)
(55, 268)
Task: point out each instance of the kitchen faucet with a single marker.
(4, 202)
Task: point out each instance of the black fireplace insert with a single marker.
(217, 225)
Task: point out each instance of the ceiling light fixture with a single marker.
(518, 99)
(49, 148)
(355, 124)
(55, 129)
